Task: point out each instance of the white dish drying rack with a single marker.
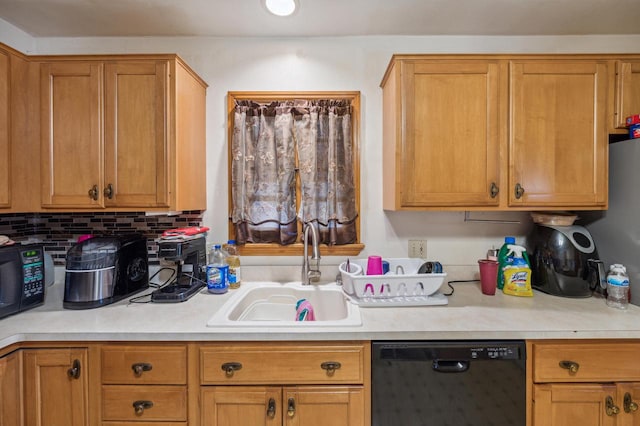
(401, 286)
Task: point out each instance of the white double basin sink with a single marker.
(273, 304)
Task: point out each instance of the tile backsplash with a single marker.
(59, 231)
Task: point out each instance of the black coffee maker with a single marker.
(564, 261)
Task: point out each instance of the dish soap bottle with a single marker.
(503, 260)
(517, 273)
(617, 287)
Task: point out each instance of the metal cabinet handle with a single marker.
(74, 371)
(519, 191)
(494, 190)
(140, 406)
(570, 365)
(93, 192)
(108, 191)
(291, 407)
(628, 403)
(330, 367)
(610, 408)
(231, 367)
(140, 367)
(271, 408)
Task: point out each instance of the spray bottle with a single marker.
(503, 260)
(517, 272)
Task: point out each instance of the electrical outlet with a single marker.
(418, 249)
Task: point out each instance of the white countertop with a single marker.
(469, 315)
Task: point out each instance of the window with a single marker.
(279, 198)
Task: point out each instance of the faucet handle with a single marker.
(314, 275)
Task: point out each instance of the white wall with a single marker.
(349, 63)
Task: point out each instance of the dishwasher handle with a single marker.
(446, 366)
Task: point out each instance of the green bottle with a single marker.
(503, 260)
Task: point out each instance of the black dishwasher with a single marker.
(442, 383)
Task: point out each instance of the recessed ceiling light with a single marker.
(281, 7)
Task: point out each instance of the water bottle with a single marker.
(233, 260)
(617, 287)
(217, 271)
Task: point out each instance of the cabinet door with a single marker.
(558, 140)
(627, 91)
(451, 134)
(629, 402)
(56, 387)
(10, 390)
(324, 406)
(71, 134)
(5, 131)
(136, 131)
(573, 405)
(241, 406)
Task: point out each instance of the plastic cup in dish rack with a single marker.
(374, 265)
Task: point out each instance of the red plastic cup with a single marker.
(374, 265)
(488, 276)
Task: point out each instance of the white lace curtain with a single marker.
(267, 140)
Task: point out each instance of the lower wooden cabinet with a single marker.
(10, 389)
(285, 383)
(56, 387)
(288, 405)
(586, 384)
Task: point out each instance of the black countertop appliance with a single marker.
(564, 261)
(104, 270)
(22, 278)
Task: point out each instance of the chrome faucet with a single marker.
(310, 273)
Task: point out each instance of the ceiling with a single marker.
(249, 18)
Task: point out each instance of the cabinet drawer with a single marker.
(596, 362)
(126, 364)
(144, 423)
(282, 364)
(169, 403)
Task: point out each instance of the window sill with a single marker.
(296, 250)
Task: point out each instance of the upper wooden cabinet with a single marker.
(557, 135)
(126, 133)
(627, 91)
(498, 132)
(5, 130)
(441, 133)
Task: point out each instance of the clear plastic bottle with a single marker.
(217, 271)
(233, 260)
(617, 287)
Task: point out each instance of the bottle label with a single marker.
(618, 281)
(217, 277)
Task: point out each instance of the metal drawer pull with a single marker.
(140, 367)
(140, 406)
(610, 408)
(108, 191)
(74, 371)
(291, 407)
(494, 190)
(93, 192)
(271, 408)
(629, 405)
(519, 191)
(570, 365)
(231, 367)
(331, 367)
